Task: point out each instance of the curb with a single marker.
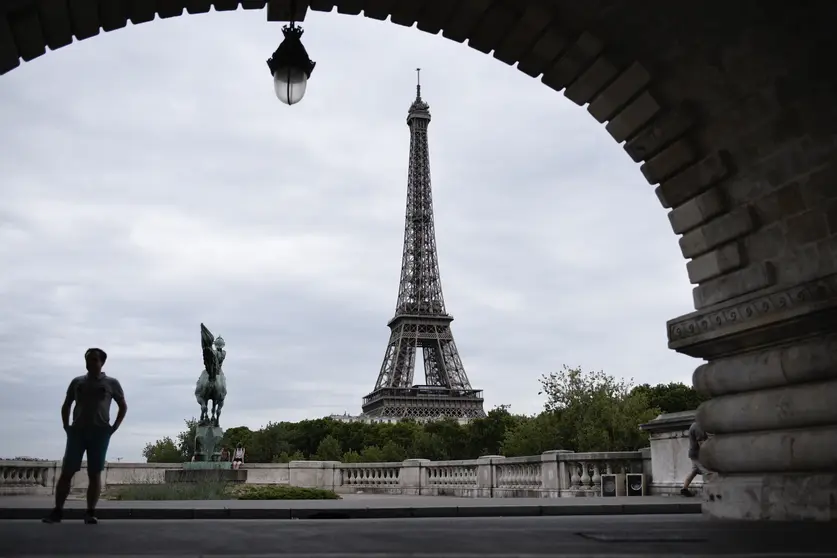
(358, 513)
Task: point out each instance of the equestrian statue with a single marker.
(211, 384)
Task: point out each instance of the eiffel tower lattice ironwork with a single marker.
(421, 320)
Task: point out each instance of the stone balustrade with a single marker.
(551, 475)
(554, 474)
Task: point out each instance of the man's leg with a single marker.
(97, 449)
(70, 465)
(689, 478)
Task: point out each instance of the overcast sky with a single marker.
(151, 181)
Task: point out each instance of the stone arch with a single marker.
(728, 109)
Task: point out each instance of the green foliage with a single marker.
(533, 436)
(282, 492)
(584, 411)
(596, 412)
(174, 491)
(162, 451)
(329, 449)
(671, 398)
(216, 491)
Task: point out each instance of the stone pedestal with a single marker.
(206, 474)
(413, 476)
(772, 376)
(208, 443)
(669, 453)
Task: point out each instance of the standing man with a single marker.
(696, 438)
(90, 432)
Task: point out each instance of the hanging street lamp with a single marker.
(290, 66)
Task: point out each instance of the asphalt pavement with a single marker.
(568, 536)
(352, 506)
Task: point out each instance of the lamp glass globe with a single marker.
(290, 84)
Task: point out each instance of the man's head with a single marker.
(95, 359)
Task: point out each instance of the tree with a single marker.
(674, 397)
(329, 449)
(371, 454)
(162, 451)
(237, 435)
(186, 439)
(393, 452)
(351, 456)
(595, 411)
(486, 436)
(533, 436)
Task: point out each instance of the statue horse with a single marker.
(214, 387)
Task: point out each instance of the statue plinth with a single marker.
(208, 443)
(209, 475)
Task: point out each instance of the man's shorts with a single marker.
(93, 441)
(697, 468)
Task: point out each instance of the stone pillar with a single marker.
(669, 453)
(552, 473)
(564, 472)
(314, 474)
(412, 477)
(487, 475)
(772, 375)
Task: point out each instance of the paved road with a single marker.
(656, 535)
(350, 501)
(353, 506)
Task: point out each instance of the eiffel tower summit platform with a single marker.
(421, 320)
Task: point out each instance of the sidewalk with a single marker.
(353, 506)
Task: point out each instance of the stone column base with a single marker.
(772, 497)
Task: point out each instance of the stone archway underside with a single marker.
(729, 107)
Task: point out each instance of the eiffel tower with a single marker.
(420, 316)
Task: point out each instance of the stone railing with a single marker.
(551, 475)
(26, 477)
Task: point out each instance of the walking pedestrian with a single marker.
(696, 438)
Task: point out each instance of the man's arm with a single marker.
(68, 404)
(119, 397)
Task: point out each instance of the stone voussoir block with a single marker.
(807, 227)
(591, 81)
(573, 61)
(663, 131)
(697, 211)
(464, 19)
(633, 117)
(222, 5)
(377, 9)
(616, 95)
(492, 27)
(547, 48)
(752, 278)
(675, 157)
(693, 180)
(26, 29)
(719, 231)
(534, 20)
(713, 264)
(322, 5)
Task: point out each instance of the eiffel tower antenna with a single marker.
(421, 320)
(418, 83)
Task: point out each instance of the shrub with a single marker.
(216, 491)
(282, 492)
(173, 491)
